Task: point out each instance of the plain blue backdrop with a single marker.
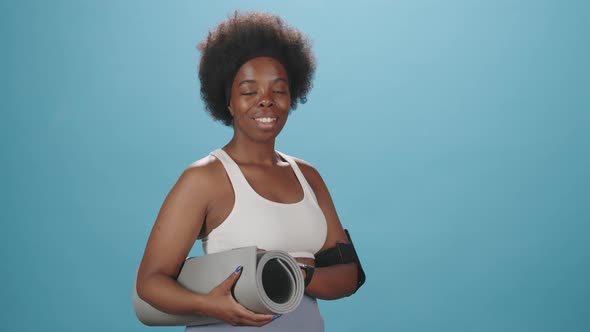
(453, 135)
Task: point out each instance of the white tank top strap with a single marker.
(238, 181)
(300, 176)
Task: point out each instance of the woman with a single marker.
(253, 71)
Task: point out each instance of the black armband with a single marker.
(342, 253)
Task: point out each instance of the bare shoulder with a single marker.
(200, 179)
(203, 170)
(310, 172)
(204, 163)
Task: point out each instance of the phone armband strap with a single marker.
(342, 253)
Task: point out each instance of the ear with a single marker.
(231, 111)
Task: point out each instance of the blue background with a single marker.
(453, 136)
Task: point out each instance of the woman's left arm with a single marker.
(336, 281)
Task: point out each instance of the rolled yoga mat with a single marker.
(270, 283)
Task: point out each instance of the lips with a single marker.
(266, 121)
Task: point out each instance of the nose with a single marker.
(266, 100)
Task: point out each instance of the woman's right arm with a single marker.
(176, 229)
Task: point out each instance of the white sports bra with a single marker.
(298, 228)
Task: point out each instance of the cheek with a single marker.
(242, 105)
(284, 102)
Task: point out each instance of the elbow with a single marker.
(337, 281)
(144, 286)
(350, 287)
(351, 284)
(140, 287)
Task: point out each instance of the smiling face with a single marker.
(260, 99)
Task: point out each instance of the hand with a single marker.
(225, 307)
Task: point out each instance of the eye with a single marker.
(248, 93)
(280, 91)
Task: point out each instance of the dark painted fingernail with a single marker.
(238, 269)
(276, 316)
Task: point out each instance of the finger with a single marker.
(247, 322)
(229, 282)
(257, 321)
(251, 317)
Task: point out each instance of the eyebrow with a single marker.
(254, 81)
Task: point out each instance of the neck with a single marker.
(248, 152)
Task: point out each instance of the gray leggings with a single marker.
(306, 317)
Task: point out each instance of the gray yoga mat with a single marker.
(270, 283)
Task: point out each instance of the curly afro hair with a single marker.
(239, 39)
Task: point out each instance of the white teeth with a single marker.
(265, 120)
